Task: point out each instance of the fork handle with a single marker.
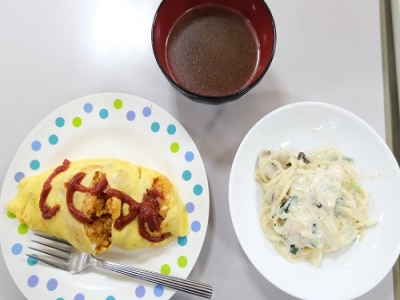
(181, 284)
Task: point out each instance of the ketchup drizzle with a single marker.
(75, 185)
(47, 211)
(134, 208)
(146, 211)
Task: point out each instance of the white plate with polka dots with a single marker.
(108, 125)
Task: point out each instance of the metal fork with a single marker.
(64, 256)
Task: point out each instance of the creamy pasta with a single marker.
(311, 203)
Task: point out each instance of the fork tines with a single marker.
(53, 245)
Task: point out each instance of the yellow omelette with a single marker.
(96, 204)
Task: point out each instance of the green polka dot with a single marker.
(23, 228)
(182, 261)
(10, 215)
(118, 104)
(174, 147)
(165, 269)
(77, 122)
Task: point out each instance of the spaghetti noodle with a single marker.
(311, 203)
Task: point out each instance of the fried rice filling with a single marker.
(100, 208)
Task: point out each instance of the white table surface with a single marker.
(52, 52)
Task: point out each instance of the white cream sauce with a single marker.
(315, 191)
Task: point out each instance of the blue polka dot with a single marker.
(146, 111)
(198, 190)
(36, 145)
(110, 298)
(130, 115)
(140, 291)
(182, 240)
(155, 127)
(32, 261)
(171, 129)
(189, 156)
(35, 164)
(33, 281)
(79, 297)
(16, 249)
(196, 226)
(60, 122)
(189, 207)
(88, 108)
(186, 175)
(53, 139)
(18, 176)
(52, 284)
(103, 113)
(60, 298)
(158, 290)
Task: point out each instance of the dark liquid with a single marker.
(212, 51)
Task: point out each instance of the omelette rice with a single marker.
(96, 204)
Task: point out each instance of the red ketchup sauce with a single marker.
(47, 211)
(134, 208)
(146, 211)
(149, 214)
(72, 186)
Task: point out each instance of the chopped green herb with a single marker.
(284, 208)
(293, 249)
(333, 158)
(339, 202)
(348, 159)
(314, 244)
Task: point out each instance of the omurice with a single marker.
(99, 203)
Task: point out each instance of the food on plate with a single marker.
(311, 203)
(95, 204)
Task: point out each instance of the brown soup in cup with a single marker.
(213, 51)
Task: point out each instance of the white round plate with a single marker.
(354, 269)
(108, 125)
